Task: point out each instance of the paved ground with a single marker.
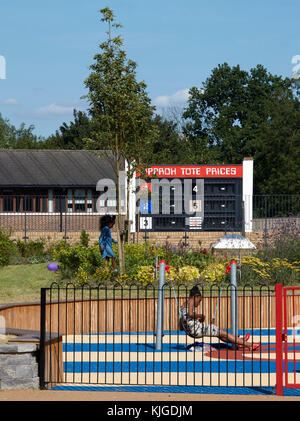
(52, 395)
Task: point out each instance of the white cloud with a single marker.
(10, 101)
(179, 97)
(54, 109)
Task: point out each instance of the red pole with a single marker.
(279, 350)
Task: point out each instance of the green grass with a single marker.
(22, 283)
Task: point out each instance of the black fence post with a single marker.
(66, 221)
(25, 219)
(185, 236)
(42, 339)
(266, 222)
(60, 215)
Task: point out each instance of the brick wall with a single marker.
(49, 222)
(195, 240)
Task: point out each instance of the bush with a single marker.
(276, 270)
(81, 277)
(7, 248)
(187, 274)
(102, 275)
(145, 275)
(30, 248)
(84, 238)
(69, 258)
(213, 273)
(283, 242)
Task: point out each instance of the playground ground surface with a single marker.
(116, 396)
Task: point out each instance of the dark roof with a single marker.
(50, 168)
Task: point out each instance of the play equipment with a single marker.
(228, 268)
(53, 267)
(232, 269)
(163, 267)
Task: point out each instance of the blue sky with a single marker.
(49, 45)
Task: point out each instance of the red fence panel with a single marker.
(279, 338)
(291, 341)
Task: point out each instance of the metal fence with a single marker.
(31, 213)
(107, 335)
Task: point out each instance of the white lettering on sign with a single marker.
(190, 171)
(220, 171)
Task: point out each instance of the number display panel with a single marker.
(199, 204)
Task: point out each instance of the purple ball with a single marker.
(53, 267)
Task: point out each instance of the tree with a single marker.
(70, 136)
(17, 138)
(5, 133)
(233, 116)
(278, 153)
(122, 109)
(170, 146)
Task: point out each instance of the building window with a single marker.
(79, 201)
(8, 201)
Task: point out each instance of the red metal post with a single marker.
(279, 350)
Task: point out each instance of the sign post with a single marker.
(160, 305)
(234, 303)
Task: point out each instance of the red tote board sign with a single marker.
(195, 171)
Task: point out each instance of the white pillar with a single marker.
(132, 203)
(132, 200)
(50, 200)
(248, 192)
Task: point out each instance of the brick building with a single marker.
(57, 192)
(49, 181)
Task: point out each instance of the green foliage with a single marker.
(236, 114)
(257, 271)
(184, 275)
(17, 138)
(213, 273)
(187, 274)
(145, 275)
(30, 248)
(283, 242)
(70, 136)
(122, 108)
(84, 238)
(81, 276)
(102, 275)
(85, 265)
(7, 248)
(71, 258)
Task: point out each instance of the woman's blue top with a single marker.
(106, 240)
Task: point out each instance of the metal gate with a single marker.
(292, 336)
(287, 338)
(106, 335)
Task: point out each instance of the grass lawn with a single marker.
(22, 283)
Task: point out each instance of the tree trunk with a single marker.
(120, 236)
(127, 226)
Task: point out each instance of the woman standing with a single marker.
(106, 240)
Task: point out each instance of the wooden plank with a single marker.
(92, 316)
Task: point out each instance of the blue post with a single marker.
(160, 305)
(234, 309)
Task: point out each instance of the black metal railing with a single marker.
(34, 213)
(105, 334)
